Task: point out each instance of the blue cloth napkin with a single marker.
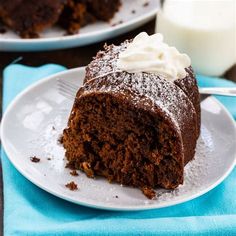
(28, 210)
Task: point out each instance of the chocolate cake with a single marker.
(77, 14)
(136, 129)
(29, 17)
(74, 16)
(103, 9)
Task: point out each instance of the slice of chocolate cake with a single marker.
(30, 17)
(137, 128)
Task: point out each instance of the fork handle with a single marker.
(219, 91)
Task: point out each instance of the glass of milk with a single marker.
(203, 29)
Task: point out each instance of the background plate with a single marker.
(34, 121)
(54, 38)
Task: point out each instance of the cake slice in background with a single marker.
(30, 17)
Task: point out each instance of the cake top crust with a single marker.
(146, 90)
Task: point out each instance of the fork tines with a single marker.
(67, 89)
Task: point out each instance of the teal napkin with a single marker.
(28, 210)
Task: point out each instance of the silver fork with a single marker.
(68, 90)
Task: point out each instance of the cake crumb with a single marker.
(133, 11)
(35, 159)
(60, 139)
(149, 193)
(116, 196)
(72, 186)
(145, 4)
(53, 128)
(74, 173)
(49, 159)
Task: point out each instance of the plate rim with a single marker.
(79, 36)
(100, 206)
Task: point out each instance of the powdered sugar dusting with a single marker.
(143, 89)
(147, 90)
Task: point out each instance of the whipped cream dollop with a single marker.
(150, 54)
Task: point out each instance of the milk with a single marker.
(203, 29)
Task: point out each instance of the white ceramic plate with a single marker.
(54, 38)
(35, 119)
